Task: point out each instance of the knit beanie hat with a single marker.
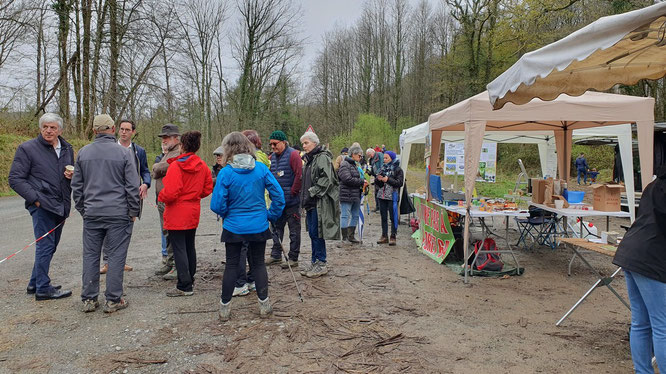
(278, 135)
(391, 154)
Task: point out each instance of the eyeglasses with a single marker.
(274, 144)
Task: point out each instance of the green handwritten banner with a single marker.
(436, 235)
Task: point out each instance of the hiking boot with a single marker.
(265, 308)
(251, 286)
(164, 260)
(111, 306)
(176, 292)
(382, 240)
(307, 267)
(104, 269)
(273, 261)
(345, 233)
(89, 305)
(171, 275)
(287, 264)
(225, 311)
(392, 240)
(318, 270)
(241, 291)
(164, 269)
(351, 237)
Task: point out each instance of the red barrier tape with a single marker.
(38, 239)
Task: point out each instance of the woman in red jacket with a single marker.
(187, 181)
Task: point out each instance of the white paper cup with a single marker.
(69, 168)
(559, 204)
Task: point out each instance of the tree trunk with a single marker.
(62, 9)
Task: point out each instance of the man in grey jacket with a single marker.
(106, 193)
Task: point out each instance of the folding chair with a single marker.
(539, 227)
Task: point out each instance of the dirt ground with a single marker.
(380, 310)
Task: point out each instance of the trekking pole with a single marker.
(284, 253)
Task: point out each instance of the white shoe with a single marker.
(241, 291)
(251, 286)
(265, 308)
(225, 311)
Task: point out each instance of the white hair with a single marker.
(309, 135)
(370, 151)
(50, 118)
(355, 149)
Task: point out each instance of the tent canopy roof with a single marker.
(592, 109)
(622, 48)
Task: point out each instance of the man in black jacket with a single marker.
(40, 175)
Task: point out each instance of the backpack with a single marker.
(491, 260)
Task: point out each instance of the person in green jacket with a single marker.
(320, 197)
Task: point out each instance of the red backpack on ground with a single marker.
(491, 261)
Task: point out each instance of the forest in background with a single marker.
(223, 65)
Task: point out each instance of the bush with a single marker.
(368, 131)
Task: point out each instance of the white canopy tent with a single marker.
(563, 115)
(622, 48)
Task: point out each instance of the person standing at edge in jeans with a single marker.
(106, 193)
(642, 256)
(239, 199)
(126, 131)
(188, 180)
(39, 176)
(287, 168)
(389, 179)
(170, 136)
(320, 197)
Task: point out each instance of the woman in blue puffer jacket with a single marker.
(238, 198)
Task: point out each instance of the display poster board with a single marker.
(436, 235)
(454, 161)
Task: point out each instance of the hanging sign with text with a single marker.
(436, 235)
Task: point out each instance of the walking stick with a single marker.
(284, 253)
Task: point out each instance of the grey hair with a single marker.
(355, 149)
(50, 118)
(309, 135)
(235, 143)
(370, 151)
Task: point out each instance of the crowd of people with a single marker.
(255, 195)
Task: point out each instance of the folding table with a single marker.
(605, 249)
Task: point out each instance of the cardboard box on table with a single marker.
(607, 197)
(538, 190)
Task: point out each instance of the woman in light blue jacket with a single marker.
(238, 198)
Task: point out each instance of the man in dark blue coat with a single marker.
(287, 167)
(40, 175)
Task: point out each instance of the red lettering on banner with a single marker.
(428, 243)
(435, 220)
(442, 228)
(426, 216)
(441, 249)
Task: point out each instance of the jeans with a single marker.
(648, 322)
(349, 213)
(582, 172)
(165, 233)
(164, 244)
(385, 210)
(256, 252)
(115, 236)
(185, 257)
(292, 217)
(244, 276)
(318, 244)
(42, 222)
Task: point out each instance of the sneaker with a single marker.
(111, 307)
(265, 308)
(392, 240)
(89, 305)
(176, 292)
(104, 269)
(171, 275)
(287, 264)
(164, 269)
(225, 311)
(273, 261)
(241, 291)
(382, 240)
(307, 268)
(251, 286)
(318, 270)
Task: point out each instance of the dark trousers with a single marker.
(42, 222)
(318, 243)
(244, 276)
(255, 251)
(115, 235)
(292, 216)
(185, 257)
(385, 210)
